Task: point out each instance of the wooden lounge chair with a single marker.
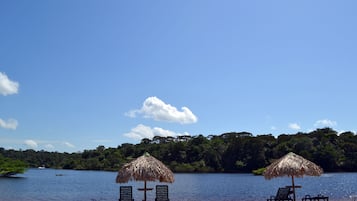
(126, 193)
(162, 193)
(282, 194)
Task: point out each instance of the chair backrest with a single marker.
(162, 193)
(283, 193)
(126, 193)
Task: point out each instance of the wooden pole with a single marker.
(292, 180)
(145, 190)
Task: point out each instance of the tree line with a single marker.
(10, 167)
(228, 152)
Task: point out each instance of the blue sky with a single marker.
(78, 74)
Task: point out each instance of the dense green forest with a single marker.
(10, 167)
(228, 152)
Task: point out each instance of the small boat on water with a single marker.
(41, 167)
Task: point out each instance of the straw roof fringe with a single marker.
(145, 168)
(292, 165)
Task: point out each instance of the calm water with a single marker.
(44, 185)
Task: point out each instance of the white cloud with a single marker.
(9, 124)
(294, 126)
(36, 144)
(141, 131)
(158, 110)
(69, 144)
(325, 123)
(49, 146)
(31, 143)
(7, 86)
(132, 113)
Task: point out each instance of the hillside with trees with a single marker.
(10, 167)
(228, 152)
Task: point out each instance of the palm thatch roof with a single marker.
(292, 165)
(145, 168)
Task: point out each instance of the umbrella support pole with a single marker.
(293, 183)
(144, 191)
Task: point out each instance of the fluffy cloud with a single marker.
(9, 124)
(7, 86)
(31, 143)
(325, 123)
(141, 131)
(158, 110)
(294, 126)
(69, 144)
(37, 144)
(49, 146)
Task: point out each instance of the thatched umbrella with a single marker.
(292, 165)
(145, 168)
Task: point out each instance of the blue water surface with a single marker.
(70, 185)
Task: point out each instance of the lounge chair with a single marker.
(318, 197)
(282, 194)
(126, 193)
(162, 193)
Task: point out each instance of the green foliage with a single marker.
(240, 164)
(259, 171)
(228, 152)
(183, 167)
(9, 167)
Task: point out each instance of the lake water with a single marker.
(46, 185)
